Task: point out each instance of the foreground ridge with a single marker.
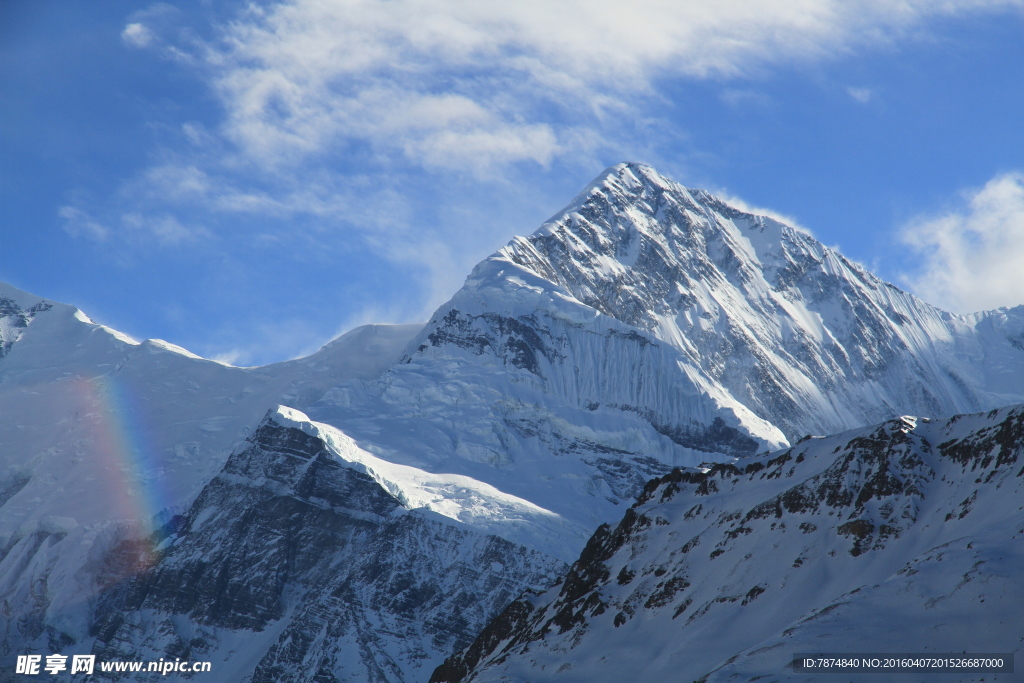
(837, 544)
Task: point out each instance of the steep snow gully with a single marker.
(416, 501)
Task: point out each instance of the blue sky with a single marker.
(248, 180)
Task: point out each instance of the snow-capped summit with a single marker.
(648, 326)
(798, 334)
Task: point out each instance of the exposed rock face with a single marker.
(14, 319)
(292, 565)
(903, 537)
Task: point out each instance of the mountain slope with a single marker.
(797, 333)
(837, 544)
(104, 438)
(649, 326)
(302, 561)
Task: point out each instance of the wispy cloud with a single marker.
(454, 83)
(862, 95)
(144, 25)
(137, 35)
(130, 228)
(478, 86)
(971, 256)
(166, 229)
(78, 223)
(745, 97)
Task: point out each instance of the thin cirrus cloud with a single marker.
(79, 223)
(972, 256)
(862, 95)
(131, 227)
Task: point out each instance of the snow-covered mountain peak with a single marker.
(649, 326)
(643, 191)
(635, 229)
(789, 328)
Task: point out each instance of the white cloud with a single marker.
(973, 256)
(196, 133)
(862, 95)
(78, 223)
(743, 97)
(137, 35)
(459, 82)
(281, 337)
(313, 86)
(229, 357)
(166, 229)
(175, 181)
(132, 228)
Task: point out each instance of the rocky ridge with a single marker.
(836, 544)
(294, 564)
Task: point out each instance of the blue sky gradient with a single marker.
(247, 181)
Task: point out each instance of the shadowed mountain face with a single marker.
(904, 537)
(644, 328)
(293, 565)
